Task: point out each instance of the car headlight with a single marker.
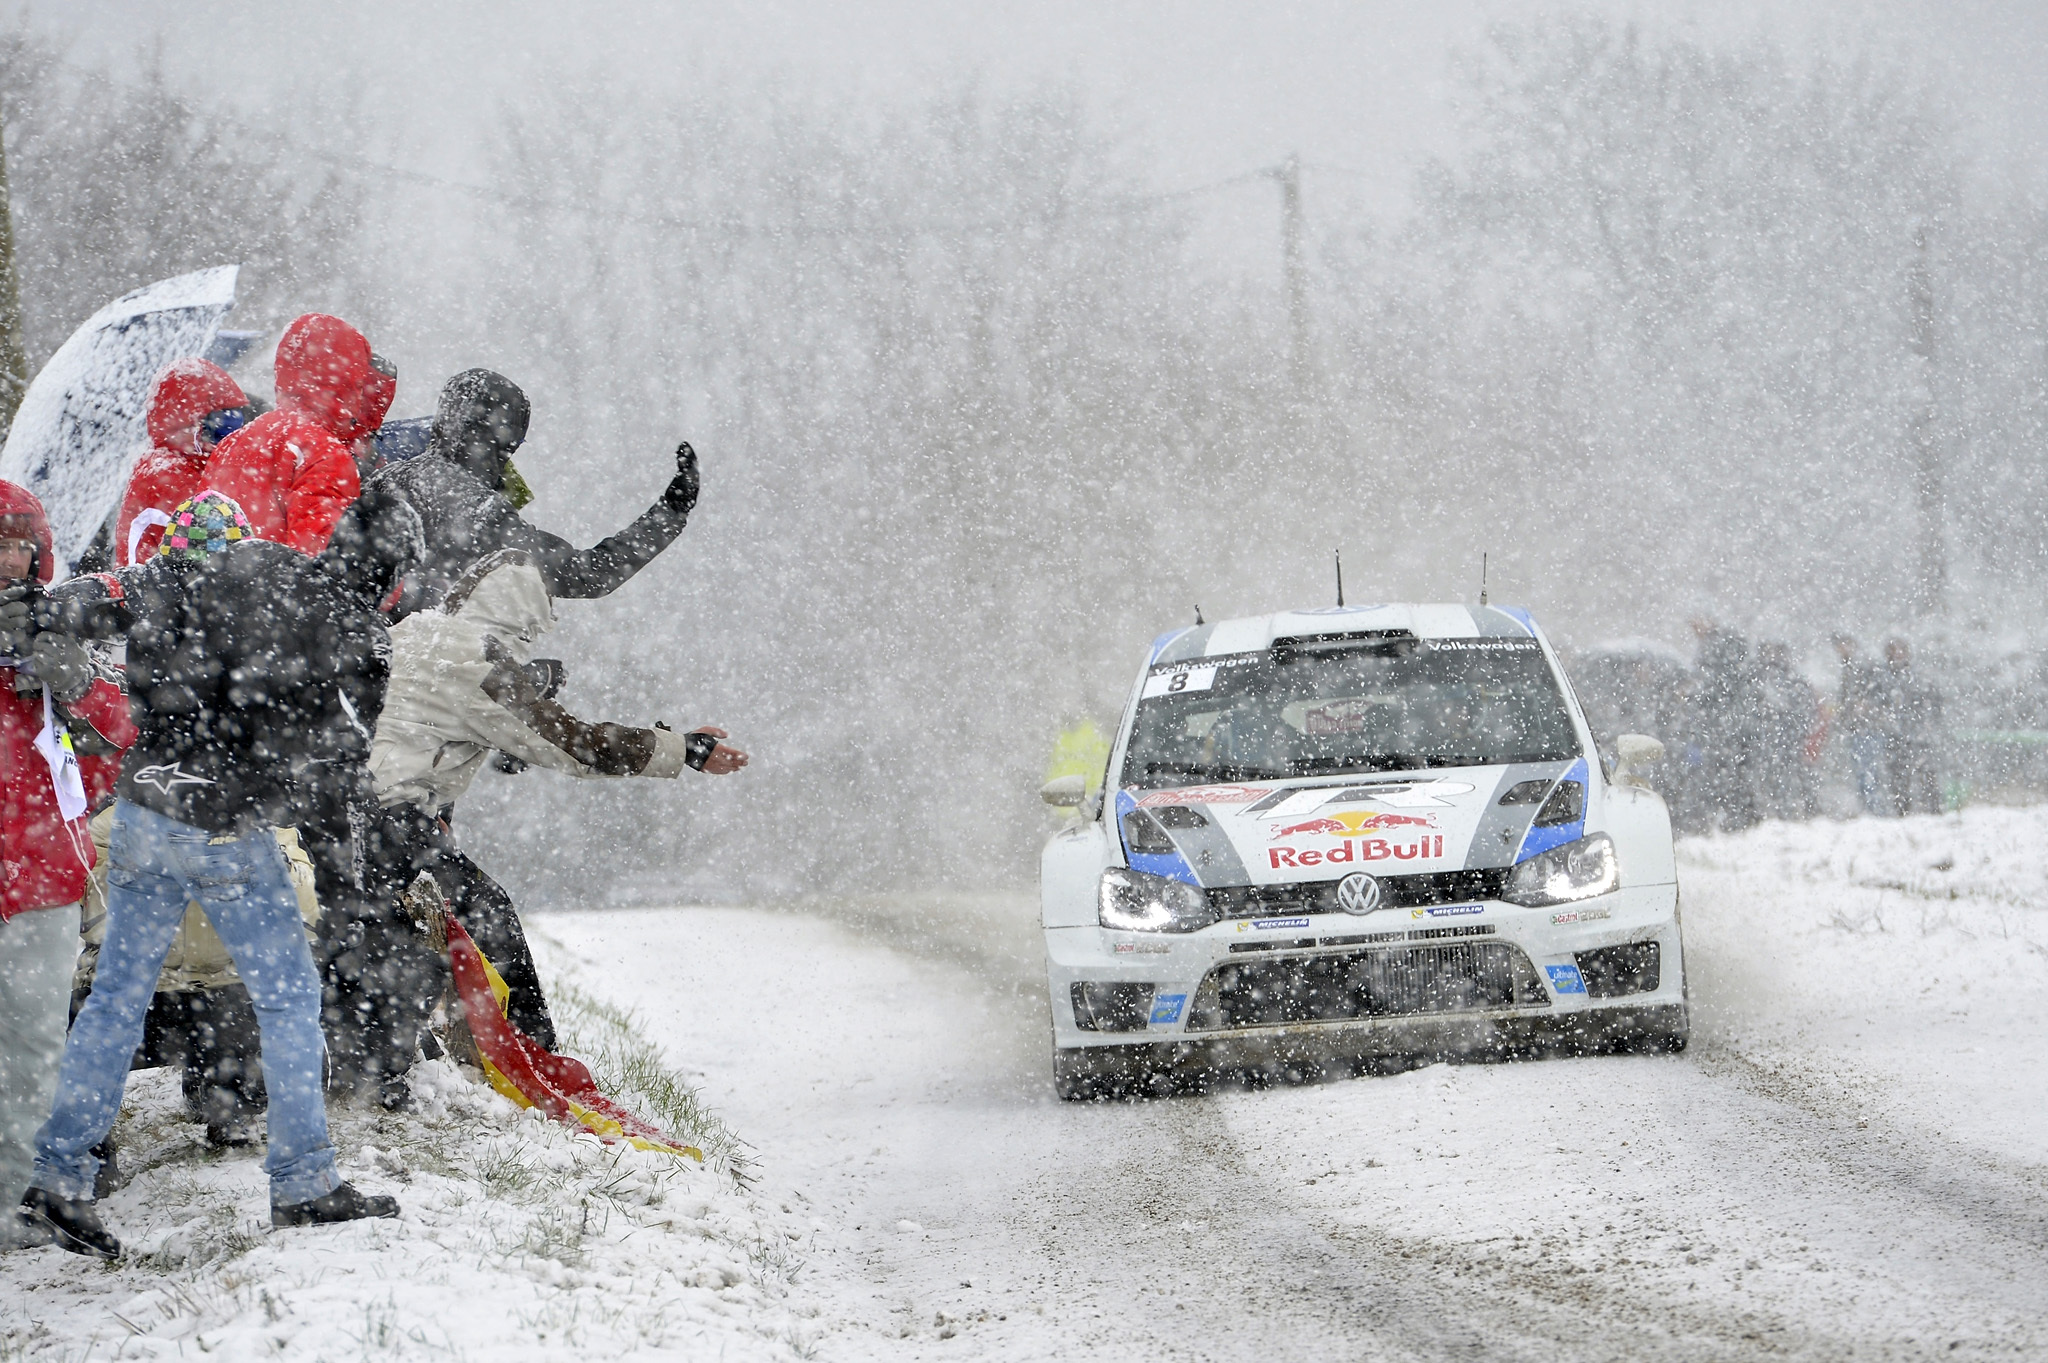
(1132, 901)
(1577, 870)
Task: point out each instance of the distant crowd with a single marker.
(1747, 736)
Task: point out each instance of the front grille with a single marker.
(1320, 896)
(1456, 977)
(1612, 972)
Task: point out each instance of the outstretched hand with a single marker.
(680, 496)
(724, 759)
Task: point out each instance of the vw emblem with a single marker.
(1358, 893)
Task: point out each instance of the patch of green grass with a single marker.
(632, 1069)
(503, 1172)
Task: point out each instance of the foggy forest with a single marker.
(1682, 327)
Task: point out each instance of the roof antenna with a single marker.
(1198, 612)
(1482, 579)
(1340, 575)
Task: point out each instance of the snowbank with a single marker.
(519, 1237)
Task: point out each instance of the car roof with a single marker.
(1252, 633)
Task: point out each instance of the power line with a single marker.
(1104, 207)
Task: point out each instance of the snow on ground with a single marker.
(518, 1238)
(1849, 1162)
(1851, 1159)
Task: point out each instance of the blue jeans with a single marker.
(155, 864)
(1869, 754)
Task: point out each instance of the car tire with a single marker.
(1077, 1074)
(1084, 1074)
(1663, 1031)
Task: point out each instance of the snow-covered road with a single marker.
(1852, 1161)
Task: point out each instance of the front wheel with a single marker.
(1655, 1031)
(1081, 1075)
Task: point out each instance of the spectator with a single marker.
(1726, 725)
(1860, 718)
(461, 688)
(193, 406)
(1912, 723)
(1788, 713)
(245, 661)
(294, 470)
(46, 687)
(459, 489)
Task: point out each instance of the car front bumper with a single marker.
(1394, 981)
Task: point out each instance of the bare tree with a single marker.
(117, 183)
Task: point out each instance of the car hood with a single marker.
(1386, 823)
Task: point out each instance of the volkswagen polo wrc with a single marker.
(1355, 831)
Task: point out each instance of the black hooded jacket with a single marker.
(457, 487)
(254, 676)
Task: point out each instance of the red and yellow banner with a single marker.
(528, 1073)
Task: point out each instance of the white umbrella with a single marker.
(81, 425)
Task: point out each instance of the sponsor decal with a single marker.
(1358, 893)
(1141, 948)
(1166, 1009)
(1565, 979)
(1402, 794)
(1270, 924)
(1203, 795)
(1354, 823)
(1178, 680)
(168, 776)
(1338, 717)
(1581, 915)
(1366, 849)
(1481, 645)
(1447, 911)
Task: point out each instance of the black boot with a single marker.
(73, 1221)
(108, 1179)
(343, 1204)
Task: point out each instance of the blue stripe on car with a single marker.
(1540, 840)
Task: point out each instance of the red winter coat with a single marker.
(171, 470)
(42, 863)
(291, 469)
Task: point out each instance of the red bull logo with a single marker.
(1427, 847)
(1353, 823)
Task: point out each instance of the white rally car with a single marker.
(1354, 831)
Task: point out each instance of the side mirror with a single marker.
(1064, 792)
(1632, 753)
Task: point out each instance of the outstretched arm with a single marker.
(582, 574)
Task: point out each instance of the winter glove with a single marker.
(548, 676)
(680, 496)
(61, 663)
(17, 619)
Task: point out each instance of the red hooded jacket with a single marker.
(291, 469)
(43, 863)
(168, 474)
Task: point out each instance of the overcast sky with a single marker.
(1203, 89)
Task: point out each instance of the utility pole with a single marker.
(1294, 270)
(1931, 578)
(13, 356)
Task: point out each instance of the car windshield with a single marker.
(1341, 706)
